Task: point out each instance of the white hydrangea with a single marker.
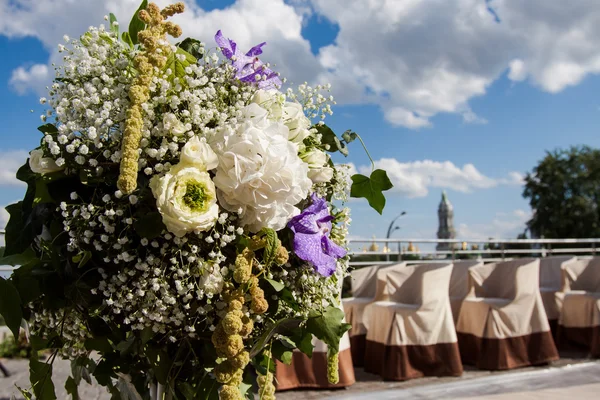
(259, 171)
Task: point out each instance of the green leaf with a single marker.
(371, 188)
(160, 362)
(113, 28)
(146, 335)
(177, 66)
(328, 327)
(126, 389)
(280, 326)
(48, 128)
(27, 395)
(40, 376)
(71, 388)
(100, 344)
(10, 306)
(19, 259)
(278, 286)
(41, 192)
(207, 389)
(192, 46)
(137, 24)
(349, 136)
(127, 39)
(331, 139)
(149, 225)
(282, 352)
(82, 258)
(303, 341)
(272, 244)
(124, 347)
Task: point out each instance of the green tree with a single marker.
(564, 194)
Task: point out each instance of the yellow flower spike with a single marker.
(282, 256)
(235, 344)
(229, 392)
(333, 375)
(145, 62)
(232, 322)
(240, 360)
(247, 328)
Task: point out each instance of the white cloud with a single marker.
(414, 179)
(413, 58)
(23, 79)
(503, 226)
(11, 162)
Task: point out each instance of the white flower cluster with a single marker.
(218, 161)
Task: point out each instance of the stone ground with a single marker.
(572, 371)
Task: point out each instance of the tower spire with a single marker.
(446, 222)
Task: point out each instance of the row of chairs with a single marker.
(429, 319)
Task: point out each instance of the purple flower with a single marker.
(248, 66)
(311, 237)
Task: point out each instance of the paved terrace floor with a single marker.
(573, 377)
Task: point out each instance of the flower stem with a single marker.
(366, 151)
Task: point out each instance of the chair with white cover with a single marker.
(579, 321)
(459, 284)
(368, 285)
(502, 323)
(550, 286)
(411, 334)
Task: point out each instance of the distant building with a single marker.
(446, 223)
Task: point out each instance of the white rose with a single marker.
(42, 165)
(272, 101)
(171, 124)
(260, 174)
(296, 121)
(318, 170)
(186, 199)
(197, 152)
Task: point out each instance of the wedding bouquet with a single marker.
(183, 225)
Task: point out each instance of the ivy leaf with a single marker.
(279, 326)
(149, 225)
(160, 362)
(137, 24)
(114, 28)
(40, 376)
(349, 136)
(330, 138)
(328, 327)
(19, 259)
(10, 306)
(272, 244)
(48, 128)
(371, 188)
(71, 388)
(192, 46)
(282, 352)
(303, 341)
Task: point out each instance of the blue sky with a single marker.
(453, 99)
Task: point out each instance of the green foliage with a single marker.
(10, 306)
(192, 46)
(177, 66)
(137, 24)
(371, 188)
(563, 193)
(328, 327)
(149, 225)
(113, 28)
(272, 244)
(40, 376)
(330, 138)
